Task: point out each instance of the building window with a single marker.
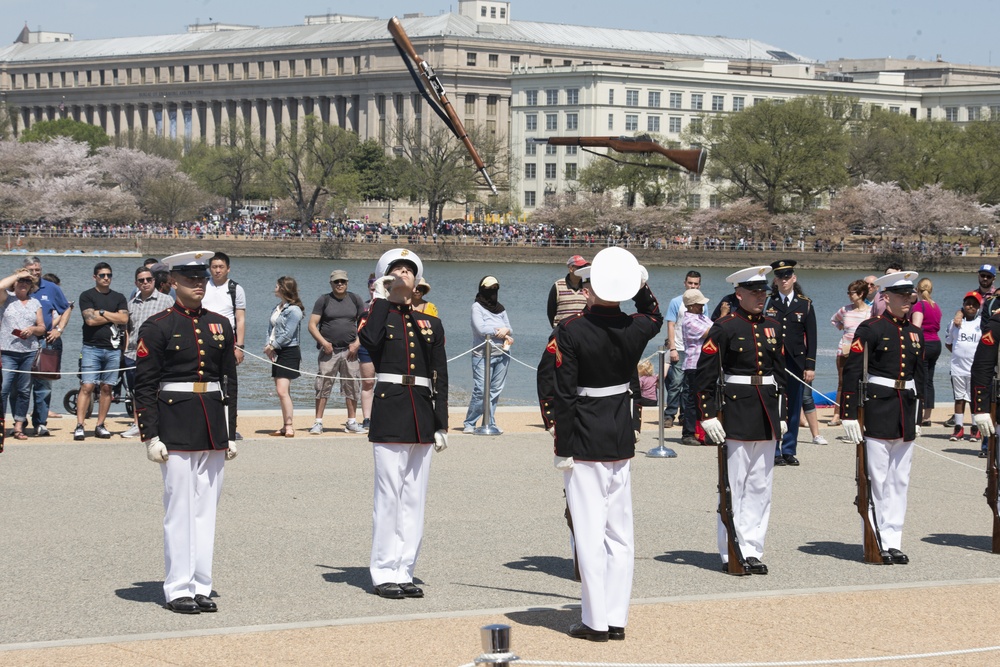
(695, 125)
(530, 148)
(975, 113)
(694, 201)
(738, 103)
(951, 114)
(482, 11)
(230, 67)
(631, 98)
(529, 198)
(546, 62)
(611, 97)
(503, 12)
(551, 122)
(674, 124)
(551, 97)
(550, 149)
(493, 12)
(654, 99)
(531, 122)
(697, 101)
(611, 121)
(995, 112)
(572, 121)
(550, 170)
(357, 64)
(758, 100)
(494, 60)
(530, 169)
(571, 150)
(515, 61)
(470, 104)
(714, 201)
(675, 100)
(631, 122)
(567, 63)
(894, 109)
(572, 96)
(571, 171)
(491, 105)
(718, 103)
(531, 98)
(653, 124)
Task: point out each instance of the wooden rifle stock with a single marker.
(992, 473)
(402, 40)
(691, 159)
(872, 538)
(736, 565)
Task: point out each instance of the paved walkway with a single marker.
(82, 560)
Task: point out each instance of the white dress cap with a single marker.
(388, 258)
(614, 274)
(753, 277)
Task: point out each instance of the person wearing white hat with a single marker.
(583, 380)
(185, 401)
(409, 414)
(893, 381)
(741, 375)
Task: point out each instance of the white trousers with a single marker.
(600, 500)
(401, 473)
(889, 469)
(751, 472)
(192, 484)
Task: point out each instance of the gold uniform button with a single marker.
(201, 352)
(195, 321)
(412, 356)
(381, 395)
(202, 364)
(412, 367)
(409, 325)
(411, 334)
(201, 342)
(197, 331)
(170, 400)
(412, 344)
(177, 347)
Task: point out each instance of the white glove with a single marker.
(563, 463)
(552, 431)
(917, 429)
(156, 451)
(985, 424)
(713, 429)
(644, 273)
(853, 430)
(637, 436)
(440, 441)
(231, 452)
(381, 287)
(783, 427)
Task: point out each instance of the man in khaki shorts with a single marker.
(334, 325)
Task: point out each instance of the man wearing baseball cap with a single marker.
(566, 296)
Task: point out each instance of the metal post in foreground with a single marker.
(486, 429)
(661, 451)
(496, 646)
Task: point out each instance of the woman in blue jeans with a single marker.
(20, 327)
(489, 320)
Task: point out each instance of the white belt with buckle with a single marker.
(755, 380)
(600, 392)
(191, 387)
(892, 384)
(408, 380)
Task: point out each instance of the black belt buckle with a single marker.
(900, 385)
(409, 380)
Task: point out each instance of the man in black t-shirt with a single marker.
(105, 314)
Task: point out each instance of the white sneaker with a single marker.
(131, 432)
(354, 427)
(469, 429)
(317, 428)
(820, 440)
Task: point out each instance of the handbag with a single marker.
(46, 364)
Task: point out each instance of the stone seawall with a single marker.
(452, 251)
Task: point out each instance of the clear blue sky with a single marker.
(962, 32)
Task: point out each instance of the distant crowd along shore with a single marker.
(475, 234)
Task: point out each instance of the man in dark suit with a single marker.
(798, 323)
(185, 399)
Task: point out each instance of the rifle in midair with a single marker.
(692, 159)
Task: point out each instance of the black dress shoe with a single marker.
(205, 603)
(779, 460)
(898, 557)
(581, 631)
(790, 459)
(616, 634)
(755, 566)
(184, 606)
(391, 591)
(410, 590)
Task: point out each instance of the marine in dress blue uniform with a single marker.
(742, 365)
(185, 399)
(593, 358)
(409, 416)
(894, 349)
(798, 324)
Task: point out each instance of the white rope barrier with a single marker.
(499, 657)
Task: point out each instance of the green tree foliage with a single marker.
(47, 130)
(772, 152)
(651, 178)
(975, 169)
(312, 165)
(232, 169)
(151, 143)
(883, 147)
